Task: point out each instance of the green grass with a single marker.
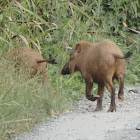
(53, 27)
(24, 102)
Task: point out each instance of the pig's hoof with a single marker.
(99, 108)
(94, 97)
(121, 96)
(138, 127)
(112, 108)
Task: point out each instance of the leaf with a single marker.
(30, 12)
(24, 40)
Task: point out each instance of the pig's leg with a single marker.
(111, 89)
(99, 100)
(89, 96)
(119, 74)
(121, 85)
(44, 75)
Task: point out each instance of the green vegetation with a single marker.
(53, 26)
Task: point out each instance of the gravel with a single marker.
(83, 123)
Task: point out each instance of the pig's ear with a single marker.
(78, 48)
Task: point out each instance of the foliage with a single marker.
(53, 27)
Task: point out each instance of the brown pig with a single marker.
(100, 63)
(31, 59)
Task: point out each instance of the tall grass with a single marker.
(23, 101)
(53, 27)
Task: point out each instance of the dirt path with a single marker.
(82, 123)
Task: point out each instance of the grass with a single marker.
(53, 27)
(24, 102)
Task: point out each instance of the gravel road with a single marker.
(83, 123)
